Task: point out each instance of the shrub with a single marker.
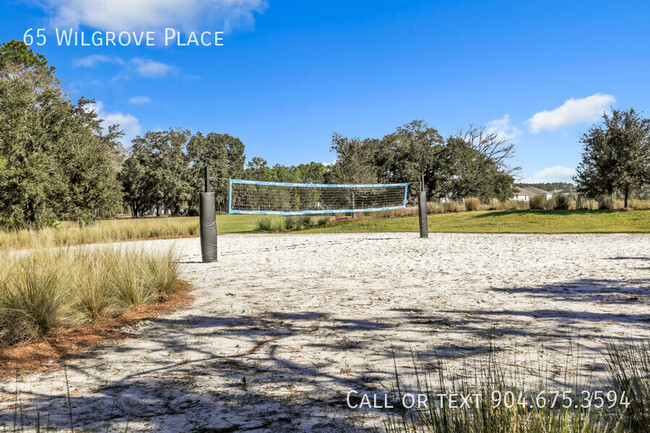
(433, 207)
(93, 298)
(291, 222)
(16, 326)
(639, 204)
(49, 289)
(537, 202)
(323, 221)
(265, 224)
(395, 213)
(128, 287)
(628, 368)
(586, 203)
(451, 206)
(562, 202)
(550, 203)
(305, 222)
(162, 273)
(608, 202)
(473, 204)
(34, 289)
(496, 205)
(517, 205)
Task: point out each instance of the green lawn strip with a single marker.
(616, 221)
(577, 221)
(230, 224)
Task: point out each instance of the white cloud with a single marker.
(150, 69)
(129, 15)
(139, 66)
(504, 128)
(95, 59)
(140, 100)
(556, 173)
(129, 124)
(572, 112)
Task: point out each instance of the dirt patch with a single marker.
(43, 353)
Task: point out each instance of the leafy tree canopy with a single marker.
(616, 156)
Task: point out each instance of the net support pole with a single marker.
(422, 211)
(208, 222)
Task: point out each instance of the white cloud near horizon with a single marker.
(572, 112)
(140, 100)
(556, 173)
(504, 128)
(128, 123)
(146, 15)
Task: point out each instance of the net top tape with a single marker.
(317, 185)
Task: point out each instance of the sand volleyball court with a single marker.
(284, 326)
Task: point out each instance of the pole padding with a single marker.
(208, 223)
(422, 208)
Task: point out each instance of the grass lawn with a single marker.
(574, 221)
(577, 221)
(237, 223)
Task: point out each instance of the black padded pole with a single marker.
(207, 179)
(208, 223)
(422, 208)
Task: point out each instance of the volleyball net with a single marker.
(258, 197)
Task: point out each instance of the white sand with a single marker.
(306, 318)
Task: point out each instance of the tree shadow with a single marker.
(591, 290)
(189, 384)
(500, 213)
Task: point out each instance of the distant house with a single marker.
(526, 192)
(567, 192)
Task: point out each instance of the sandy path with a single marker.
(306, 318)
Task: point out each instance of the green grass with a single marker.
(522, 221)
(573, 221)
(231, 224)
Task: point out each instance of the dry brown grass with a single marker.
(70, 234)
(37, 354)
(45, 290)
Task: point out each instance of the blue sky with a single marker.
(290, 73)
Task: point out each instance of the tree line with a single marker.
(57, 163)
(471, 163)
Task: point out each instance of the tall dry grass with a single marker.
(102, 232)
(453, 206)
(628, 368)
(638, 204)
(622, 405)
(537, 202)
(585, 203)
(473, 204)
(276, 223)
(44, 290)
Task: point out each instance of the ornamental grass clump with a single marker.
(45, 290)
(537, 202)
(507, 402)
(473, 204)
